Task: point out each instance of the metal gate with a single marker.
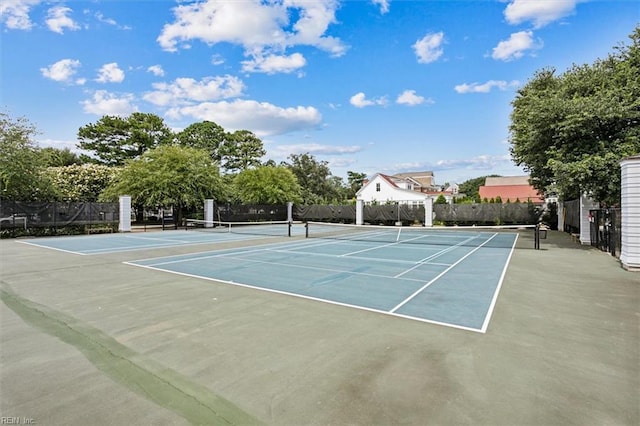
(606, 231)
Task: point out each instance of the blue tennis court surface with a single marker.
(454, 284)
(112, 243)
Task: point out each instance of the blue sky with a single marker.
(368, 85)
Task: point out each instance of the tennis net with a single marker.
(267, 228)
(473, 236)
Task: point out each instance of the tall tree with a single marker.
(113, 140)
(168, 175)
(267, 185)
(572, 130)
(315, 178)
(241, 150)
(22, 171)
(205, 135)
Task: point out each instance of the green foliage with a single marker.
(82, 182)
(267, 185)
(318, 185)
(498, 199)
(471, 186)
(440, 200)
(241, 150)
(22, 171)
(205, 135)
(572, 130)
(168, 175)
(355, 181)
(55, 157)
(113, 140)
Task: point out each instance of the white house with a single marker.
(382, 189)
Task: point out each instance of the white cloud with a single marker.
(359, 100)
(156, 70)
(384, 5)
(539, 12)
(485, 87)
(314, 148)
(272, 30)
(105, 103)
(262, 118)
(409, 97)
(63, 71)
(429, 48)
(110, 73)
(188, 90)
(57, 20)
(481, 162)
(273, 64)
(515, 47)
(15, 13)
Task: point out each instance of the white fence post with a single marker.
(208, 213)
(586, 204)
(124, 222)
(359, 212)
(630, 212)
(428, 212)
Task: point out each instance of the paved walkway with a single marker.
(90, 340)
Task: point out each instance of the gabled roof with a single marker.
(392, 181)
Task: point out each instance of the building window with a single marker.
(377, 187)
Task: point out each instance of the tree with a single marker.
(572, 130)
(315, 179)
(355, 181)
(56, 157)
(471, 187)
(113, 140)
(440, 200)
(267, 185)
(168, 175)
(205, 135)
(22, 171)
(241, 150)
(82, 182)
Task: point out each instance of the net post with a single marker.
(289, 225)
(536, 237)
(306, 229)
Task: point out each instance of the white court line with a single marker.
(435, 255)
(52, 248)
(485, 324)
(404, 302)
(382, 246)
(232, 255)
(317, 299)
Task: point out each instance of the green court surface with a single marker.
(453, 281)
(186, 337)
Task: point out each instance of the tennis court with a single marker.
(446, 277)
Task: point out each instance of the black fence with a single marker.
(444, 214)
(249, 213)
(606, 230)
(18, 218)
(571, 216)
